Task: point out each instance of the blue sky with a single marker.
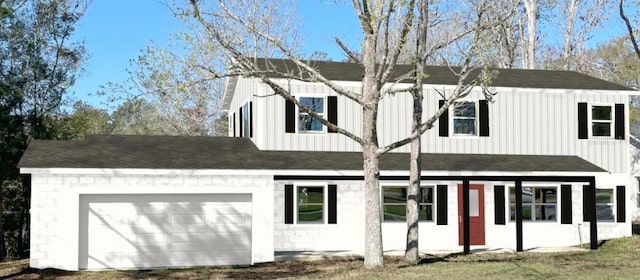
(116, 31)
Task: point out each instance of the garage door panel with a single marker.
(164, 230)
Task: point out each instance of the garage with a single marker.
(164, 230)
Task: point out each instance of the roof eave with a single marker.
(229, 90)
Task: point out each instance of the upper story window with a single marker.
(538, 203)
(394, 203)
(601, 120)
(307, 123)
(298, 121)
(245, 120)
(464, 118)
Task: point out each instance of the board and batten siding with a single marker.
(521, 121)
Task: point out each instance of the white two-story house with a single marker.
(544, 165)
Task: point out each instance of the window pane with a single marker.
(604, 212)
(526, 212)
(601, 113)
(309, 123)
(464, 126)
(245, 120)
(601, 129)
(310, 204)
(604, 196)
(545, 195)
(545, 213)
(527, 195)
(426, 195)
(426, 212)
(474, 203)
(465, 109)
(314, 103)
(395, 212)
(395, 195)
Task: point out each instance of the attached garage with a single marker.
(164, 230)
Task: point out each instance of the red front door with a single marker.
(476, 214)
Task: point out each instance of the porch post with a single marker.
(465, 217)
(519, 216)
(593, 223)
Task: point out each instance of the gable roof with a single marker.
(442, 75)
(437, 75)
(190, 152)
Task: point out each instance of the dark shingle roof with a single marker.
(188, 152)
(442, 75)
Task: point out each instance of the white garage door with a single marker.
(164, 230)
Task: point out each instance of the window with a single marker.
(464, 118)
(538, 203)
(395, 203)
(246, 120)
(604, 205)
(310, 204)
(307, 123)
(601, 119)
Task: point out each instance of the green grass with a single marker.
(616, 259)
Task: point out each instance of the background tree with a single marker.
(38, 63)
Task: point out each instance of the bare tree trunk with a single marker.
(531, 7)
(568, 48)
(412, 254)
(373, 256)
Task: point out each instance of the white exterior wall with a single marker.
(634, 186)
(56, 193)
(522, 121)
(348, 233)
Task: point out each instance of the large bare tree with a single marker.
(385, 28)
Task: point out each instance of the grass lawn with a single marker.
(616, 259)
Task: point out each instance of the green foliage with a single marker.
(38, 63)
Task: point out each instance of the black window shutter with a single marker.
(619, 121)
(442, 205)
(498, 198)
(250, 119)
(290, 117)
(240, 121)
(332, 104)
(443, 121)
(288, 204)
(333, 207)
(582, 121)
(484, 117)
(587, 203)
(566, 212)
(620, 204)
(233, 123)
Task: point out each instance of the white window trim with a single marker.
(325, 203)
(533, 204)
(591, 120)
(404, 185)
(452, 119)
(324, 114)
(611, 204)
